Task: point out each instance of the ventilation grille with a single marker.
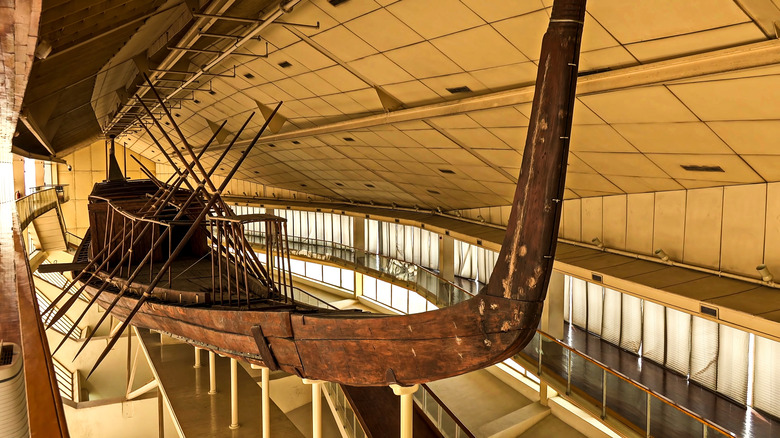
(6, 355)
(463, 89)
(695, 168)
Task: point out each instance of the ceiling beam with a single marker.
(760, 54)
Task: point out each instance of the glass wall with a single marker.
(716, 356)
(403, 242)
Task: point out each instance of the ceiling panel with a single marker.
(647, 51)
(479, 48)
(434, 18)
(383, 31)
(750, 136)
(734, 168)
(639, 105)
(673, 138)
(737, 99)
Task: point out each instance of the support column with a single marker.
(407, 407)
(447, 257)
(197, 358)
(358, 284)
(233, 394)
(212, 373)
(266, 377)
(316, 406)
(552, 314)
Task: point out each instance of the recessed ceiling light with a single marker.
(698, 168)
(196, 100)
(249, 75)
(303, 185)
(451, 172)
(296, 142)
(339, 184)
(271, 145)
(212, 92)
(337, 2)
(370, 186)
(434, 192)
(349, 139)
(285, 64)
(463, 89)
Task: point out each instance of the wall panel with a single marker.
(669, 223)
(703, 215)
(743, 224)
(572, 219)
(614, 221)
(772, 240)
(639, 227)
(592, 219)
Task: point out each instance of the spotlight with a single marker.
(596, 241)
(765, 274)
(661, 254)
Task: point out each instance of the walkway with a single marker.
(198, 413)
(630, 403)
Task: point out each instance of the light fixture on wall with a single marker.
(661, 254)
(764, 272)
(596, 241)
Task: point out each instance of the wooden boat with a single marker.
(199, 280)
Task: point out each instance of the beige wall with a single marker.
(89, 167)
(732, 228)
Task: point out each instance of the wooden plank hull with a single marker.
(360, 351)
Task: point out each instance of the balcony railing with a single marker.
(624, 405)
(34, 205)
(346, 417)
(440, 415)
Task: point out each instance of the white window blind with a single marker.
(766, 380)
(595, 307)
(704, 352)
(631, 324)
(733, 363)
(579, 304)
(566, 297)
(611, 321)
(678, 341)
(653, 328)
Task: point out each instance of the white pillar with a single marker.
(316, 406)
(212, 373)
(233, 393)
(552, 313)
(447, 257)
(197, 358)
(266, 375)
(407, 407)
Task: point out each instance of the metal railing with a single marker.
(34, 205)
(339, 403)
(67, 381)
(60, 189)
(433, 288)
(622, 403)
(440, 415)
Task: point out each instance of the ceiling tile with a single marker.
(649, 20)
(625, 164)
(514, 137)
(598, 138)
(590, 181)
(345, 11)
(412, 93)
(737, 99)
(314, 83)
(768, 166)
(493, 11)
(423, 60)
(673, 138)
(383, 31)
(477, 138)
(434, 18)
(431, 139)
(507, 76)
(344, 44)
(611, 57)
(380, 70)
(499, 117)
(440, 85)
(750, 136)
(341, 78)
(525, 32)
(654, 50)
(479, 48)
(639, 105)
(734, 168)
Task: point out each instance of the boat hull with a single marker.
(338, 347)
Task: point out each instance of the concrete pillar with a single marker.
(197, 358)
(407, 407)
(359, 233)
(266, 377)
(316, 406)
(552, 315)
(358, 284)
(447, 257)
(212, 373)
(233, 394)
